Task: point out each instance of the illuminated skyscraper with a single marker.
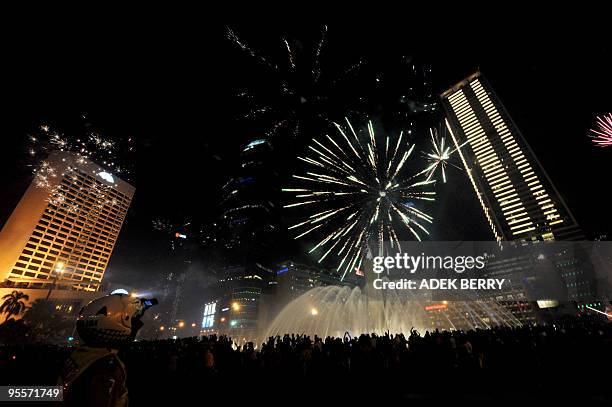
(65, 227)
(518, 198)
(249, 203)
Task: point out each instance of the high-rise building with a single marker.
(519, 201)
(237, 295)
(518, 198)
(249, 203)
(64, 229)
(294, 279)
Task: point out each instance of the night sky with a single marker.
(172, 90)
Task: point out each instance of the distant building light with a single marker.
(208, 320)
(106, 177)
(434, 307)
(254, 143)
(281, 271)
(180, 235)
(547, 303)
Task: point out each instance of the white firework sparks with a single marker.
(49, 178)
(439, 155)
(86, 147)
(358, 193)
(44, 174)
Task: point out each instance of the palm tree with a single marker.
(13, 304)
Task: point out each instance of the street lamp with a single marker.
(59, 270)
(181, 324)
(236, 306)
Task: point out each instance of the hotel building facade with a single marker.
(64, 229)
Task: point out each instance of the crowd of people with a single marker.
(556, 361)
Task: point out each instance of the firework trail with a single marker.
(602, 136)
(232, 36)
(359, 195)
(316, 71)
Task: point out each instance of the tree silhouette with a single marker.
(13, 304)
(45, 323)
(39, 314)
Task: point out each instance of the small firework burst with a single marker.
(87, 146)
(602, 135)
(439, 155)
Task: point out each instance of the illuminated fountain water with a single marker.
(334, 310)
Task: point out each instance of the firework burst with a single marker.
(86, 146)
(89, 145)
(439, 155)
(602, 136)
(301, 93)
(359, 195)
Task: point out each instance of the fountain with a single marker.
(334, 310)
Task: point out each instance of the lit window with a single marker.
(208, 319)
